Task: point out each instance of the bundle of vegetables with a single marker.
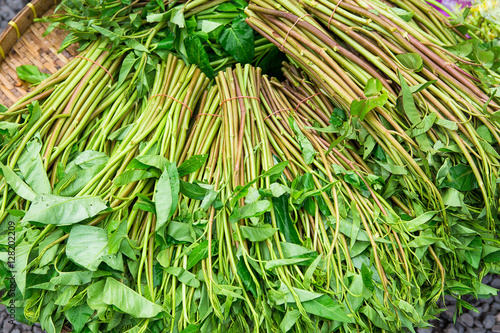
(209, 34)
(430, 117)
(147, 197)
(111, 179)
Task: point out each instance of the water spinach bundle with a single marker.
(165, 181)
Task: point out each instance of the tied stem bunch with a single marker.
(210, 34)
(399, 79)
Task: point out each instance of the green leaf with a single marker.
(184, 276)
(412, 61)
(373, 87)
(418, 222)
(127, 65)
(253, 209)
(177, 17)
(337, 117)
(462, 178)
(145, 161)
(199, 253)
(52, 209)
(31, 74)
(374, 317)
(451, 125)
(238, 41)
(284, 262)
(192, 164)
(145, 204)
(404, 14)
(50, 254)
(425, 125)
(283, 220)
(17, 184)
(7, 128)
(191, 328)
(326, 307)
(166, 44)
(31, 167)
(307, 148)
(72, 278)
(257, 234)
(197, 55)
(291, 250)
(407, 103)
(208, 26)
(274, 173)
(3, 108)
(78, 316)
(394, 169)
(180, 232)
(245, 276)
(166, 195)
(128, 301)
(366, 275)
(419, 87)
(289, 320)
(130, 176)
(87, 246)
(193, 190)
(22, 256)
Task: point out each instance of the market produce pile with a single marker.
(170, 179)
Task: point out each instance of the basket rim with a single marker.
(20, 23)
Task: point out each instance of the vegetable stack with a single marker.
(162, 182)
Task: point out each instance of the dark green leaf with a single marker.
(337, 117)
(199, 253)
(193, 190)
(197, 55)
(245, 276)
(366, 275)
(283, 220)
(238, 40)
(462, 178)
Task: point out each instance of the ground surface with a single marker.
(485, 321)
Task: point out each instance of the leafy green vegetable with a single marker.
(31, 74)
(238, 40)
(52, 209)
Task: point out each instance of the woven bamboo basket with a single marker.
(22, 43)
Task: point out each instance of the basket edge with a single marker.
(20, 23)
